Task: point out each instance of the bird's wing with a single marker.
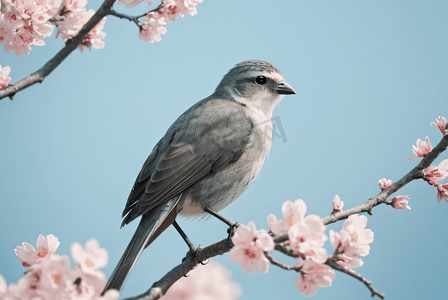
(203, 140)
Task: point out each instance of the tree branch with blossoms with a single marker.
(302, 237)
(77, 27)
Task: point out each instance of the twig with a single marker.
(415, 173)
(367, 283)
(70, 45)
(277, 263)
(134, 19)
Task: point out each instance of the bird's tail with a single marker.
(151, 225)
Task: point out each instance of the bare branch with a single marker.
(70, 45)
(352, 273)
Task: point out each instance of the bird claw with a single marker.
(193, 253)
(231, 232)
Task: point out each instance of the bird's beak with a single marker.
(284, 89)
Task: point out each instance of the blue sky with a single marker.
(369, 75)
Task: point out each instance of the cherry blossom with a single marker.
(306, 237)
(312, 276)
(337, 203)
(6, 34)
(74, 4)
(46, 246)
(421, 149)
(349, 263)
(90, 259)
(384, 183)
(49, 275)
(249, 247)
(3, 286)
(132, 3)
(211, 281)
(292, 213)
(436, 174)
(4, 76)
(27, 21)
(442, 191)
(353, 240)
(54, 276)
(93, 38)
(152, 28)
(441, 124)
(400, 202)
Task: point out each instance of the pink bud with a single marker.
(400, 202)
(384, 183)
(441, 124)
(421, 149)
(337, 203)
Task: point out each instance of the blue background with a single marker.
(370, 76)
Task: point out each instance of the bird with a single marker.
(206, 159)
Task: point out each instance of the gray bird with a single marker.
(207, 158)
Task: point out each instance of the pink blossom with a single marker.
(27, 22)
(152, 28)
(250, 245)
(211, 281)
(45, 246)
(353, 239)
(307, 236)
(4, 76)
(312, 276)
(436, 174)
(74, 4)
(421, 149)
(132, 3)
(93, 38)
(54, 276)
(337, 203)
(3, 286)
(90, 259)
(6, 34)
(349, 263)
(384, 183)
(400, 202)
(292, 213)
(441, 124)
(442, 191)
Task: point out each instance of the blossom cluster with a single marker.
(155, 20)
(27, 22)
(351, 242)
(49, 275)
(210, 281)
(432, 174)
(4, 76)
(306, 238)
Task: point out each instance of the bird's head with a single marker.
(256, 84)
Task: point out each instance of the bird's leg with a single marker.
(232, 225)
(193, 249)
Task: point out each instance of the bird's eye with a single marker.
(260, 80)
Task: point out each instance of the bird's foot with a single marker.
(231, 232)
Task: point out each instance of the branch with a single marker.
(415, 173)
(367, 283)
(160, 287)
(70, 45)
(134, 19)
